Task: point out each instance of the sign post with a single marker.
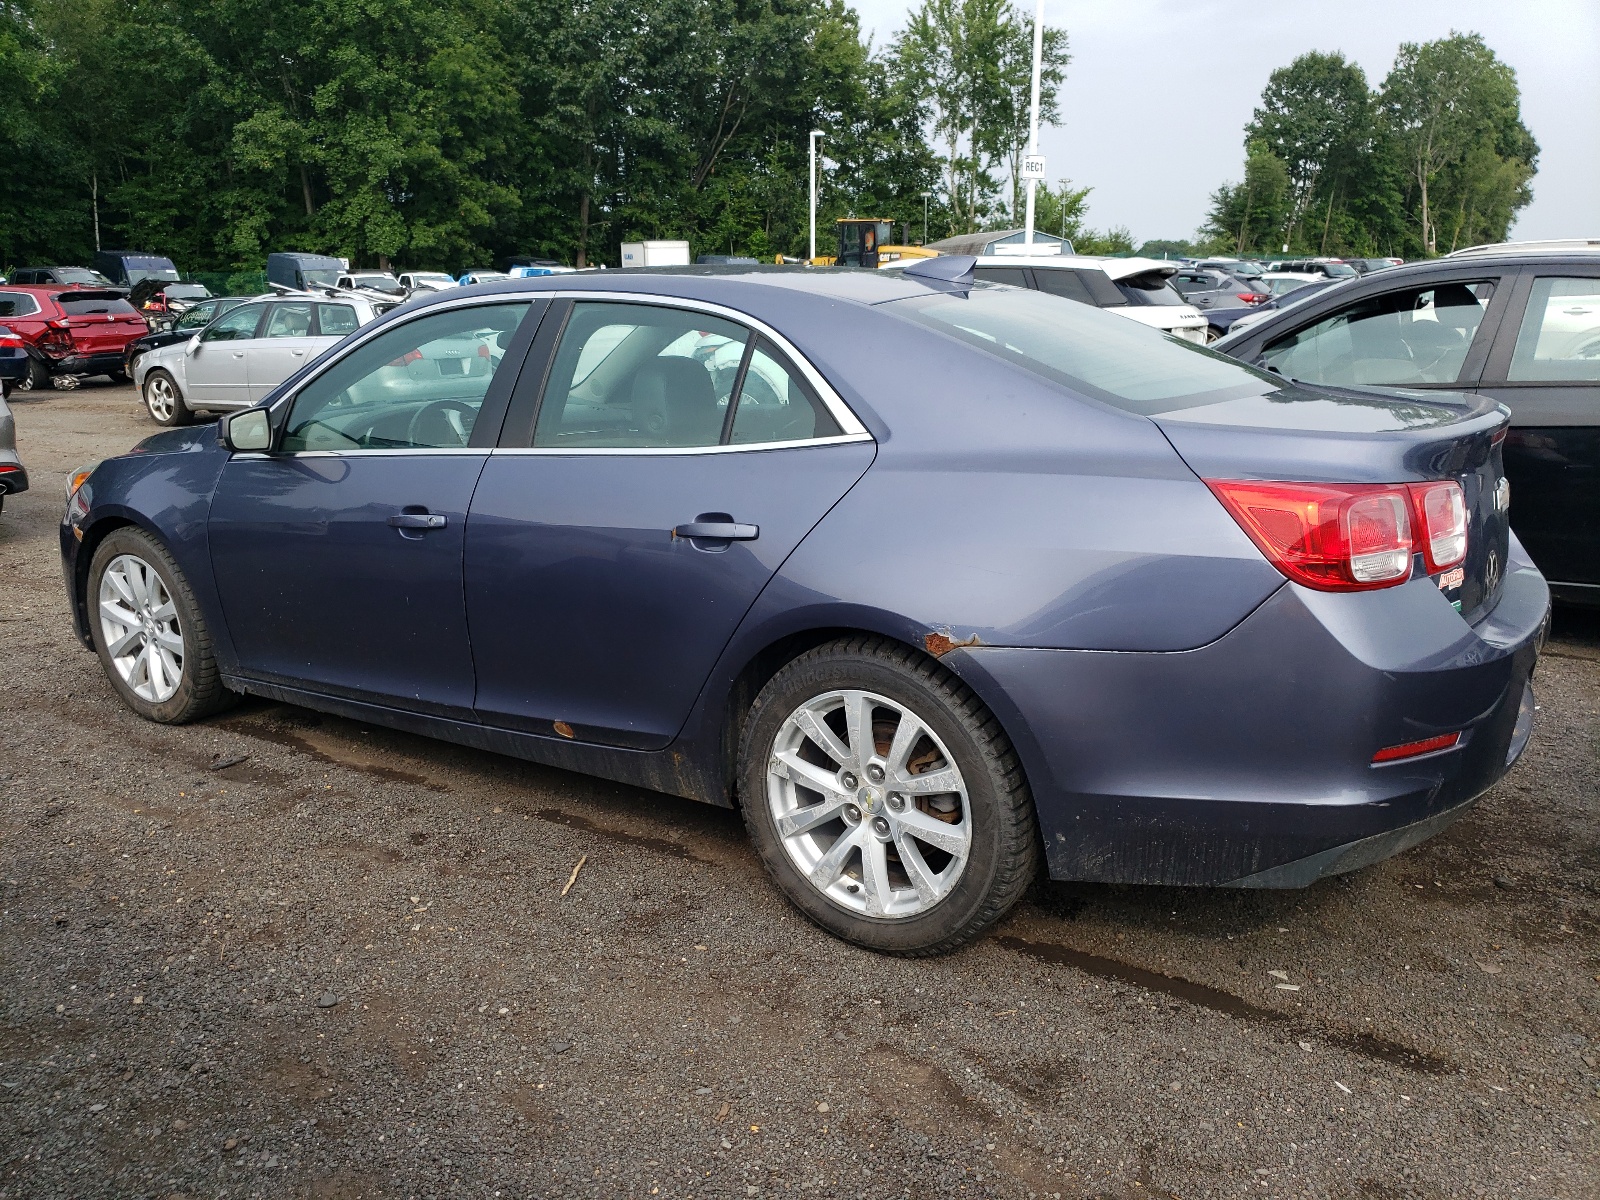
(815, 134)
(1034, 161)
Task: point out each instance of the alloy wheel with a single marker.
(869, 804)
(161, 397)
(139, 623)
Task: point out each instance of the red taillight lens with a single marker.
(1332, 537)
(1442, 516)
(1445, 741)
(10, 341)
(1251, 297)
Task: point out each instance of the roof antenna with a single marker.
(947, 268)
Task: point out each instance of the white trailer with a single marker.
(655, 254)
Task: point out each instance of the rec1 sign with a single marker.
(1033, 166)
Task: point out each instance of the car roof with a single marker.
(1117, 268)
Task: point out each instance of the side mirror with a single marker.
(193, 346)
(249, 430)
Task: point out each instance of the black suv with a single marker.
(1520, 326)
(59, 277)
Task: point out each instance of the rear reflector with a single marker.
(1445, 741)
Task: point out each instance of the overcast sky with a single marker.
(1158, 92)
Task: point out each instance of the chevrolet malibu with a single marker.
(1039, 590)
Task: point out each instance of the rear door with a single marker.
(1545, 367)
(286, 343)
(636, 509)
(214, 367)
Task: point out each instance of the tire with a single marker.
(929, 870)
(1212, 335)
(37, 377)
(133, 572)
(163, 399)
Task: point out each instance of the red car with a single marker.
(70, 330)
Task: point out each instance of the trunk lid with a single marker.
(100, 322)
(1304, 434)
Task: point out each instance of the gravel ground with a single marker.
(281, 954)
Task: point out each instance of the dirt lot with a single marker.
(343, 966)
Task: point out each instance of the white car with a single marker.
(427, 281)
(381, 282)
(1136, 288)
(245, 353)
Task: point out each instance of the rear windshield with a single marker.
(78, 306)
(1096, 353)
(1149, 289)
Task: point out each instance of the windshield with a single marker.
(432, 277)
(1096, 353)
(187, 291)
(1149, 289)
(320, 277)
(135, 274)
(1338, 270)
(83, 275)
(383, 283)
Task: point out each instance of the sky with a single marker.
(1159, 91)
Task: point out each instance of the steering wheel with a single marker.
(432, 426)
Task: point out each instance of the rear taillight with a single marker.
(1349, 537)
(1252, 297)
(1333, 537)
(10, 341)
(1442, 517)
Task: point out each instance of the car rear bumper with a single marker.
(13, 476)
(14, 365)
(107, 363)
(1248, 762)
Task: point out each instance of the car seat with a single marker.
(675, 404)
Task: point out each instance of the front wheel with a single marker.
(164, 400)
(38, 375)
(885, 799)
(148, 632)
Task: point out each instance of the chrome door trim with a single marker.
(668, 451)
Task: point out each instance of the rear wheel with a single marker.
(38, 375)
(164, 400)
(148, 632)
(885, 799)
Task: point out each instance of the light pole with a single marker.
(1033, 109)
(815, 134)
(925, 196)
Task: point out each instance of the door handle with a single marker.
(727, 531)
(298, 353)
(417, 520)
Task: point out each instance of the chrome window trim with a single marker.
(848, 422)
(668, 451)
(850, 425)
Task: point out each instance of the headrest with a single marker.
(675, 403)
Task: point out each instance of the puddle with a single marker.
(1202, 995)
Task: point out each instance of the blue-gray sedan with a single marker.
(934, 579)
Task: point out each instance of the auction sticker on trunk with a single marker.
(1450, 582)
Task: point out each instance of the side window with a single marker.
(240, 323)
(1418, 335)
(1067, 284)
(196, 318)
(635, 375)
(17, 304)
(336, 320)
(776, 405)
(1560, 335)
(289, 320)
(418, 385)
(1015, 276)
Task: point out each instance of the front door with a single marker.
(676, 461)
(1546, 369)
(338, 556)
(214, 367)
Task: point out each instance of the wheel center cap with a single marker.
(870, 798)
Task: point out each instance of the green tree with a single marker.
(1444, 102)
(1316, 117)
(1253, 214)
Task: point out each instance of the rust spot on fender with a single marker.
(563, 729)
(939, 644)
